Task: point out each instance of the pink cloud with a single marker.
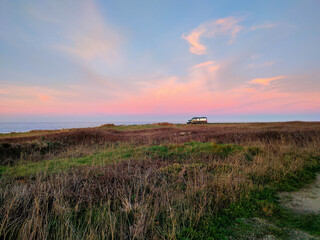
(24, 99)
(170, 96)
(222, 27)
(191, 95)
(44, 97)
(265, 81)
(204, 64)
(194, 40)
(188, 94)
(88, 39)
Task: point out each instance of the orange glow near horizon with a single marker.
(170, 95)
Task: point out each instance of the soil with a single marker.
(304, 201)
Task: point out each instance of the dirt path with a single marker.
(305, 201)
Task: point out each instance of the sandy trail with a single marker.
(305, 201)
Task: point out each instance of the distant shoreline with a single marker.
(23, 127)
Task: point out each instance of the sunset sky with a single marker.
(159, 60)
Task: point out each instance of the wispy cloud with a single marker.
(81, 32)
(265, 81)
(92, 38)
(191, 95)
(228, 27)
(187, 94)
(263, 26)
(78, 65)
(204, 64)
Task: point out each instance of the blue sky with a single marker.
(169, 60)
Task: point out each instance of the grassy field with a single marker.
(158, 181)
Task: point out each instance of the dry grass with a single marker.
(19, 146)
(162, 194)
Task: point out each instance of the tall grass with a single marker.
(190, 190)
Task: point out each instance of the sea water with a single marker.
(8, 127)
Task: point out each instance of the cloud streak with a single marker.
(263, 26)
(187, 94)
(190, 95)
(224, 27)
(265, 81)
(67, 59)
(83, 34)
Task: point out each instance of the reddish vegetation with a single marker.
(232, 133)
(14, 147)
(163, 124)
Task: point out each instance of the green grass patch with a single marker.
(249, 212)
(193, 150)
(115, 153)
(100, 158)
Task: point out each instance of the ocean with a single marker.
(8, 127)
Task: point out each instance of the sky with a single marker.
(160, 60)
